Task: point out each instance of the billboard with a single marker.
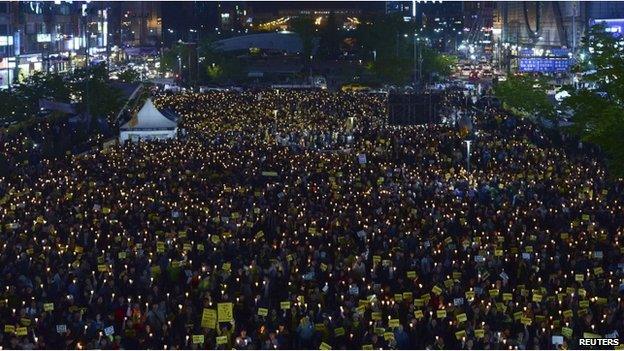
(543, 65)
(44, 38)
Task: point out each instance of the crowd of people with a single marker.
(301, 219)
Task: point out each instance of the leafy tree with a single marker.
(598, 114)
(436, 64)
(603, 62)
(388, 41)
(215, 72)
(388, 53)
(525, 94)
(329, 43)
(169, 61)
(128, 76)
(218, 66)
(304, 27)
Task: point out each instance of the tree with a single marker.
(436, 64)
(329, 42)
(128, 76)
(304, 27)
(602, 61)
(169, 61)
(384, 47)
(218, 66)
(387, 44)
(598, 114)
(215, 72)
(525, 94)
(96, 96)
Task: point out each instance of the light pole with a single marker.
(275, 117)
(179, 66)
(468, 143)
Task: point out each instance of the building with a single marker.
(557, 24)
(545, 36)
(136, 23)
(189, 21)
(50, 36)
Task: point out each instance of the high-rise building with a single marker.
(551, 24)
(189, 21)
(136, 23)
(50, 36)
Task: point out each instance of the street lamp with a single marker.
(468, 143)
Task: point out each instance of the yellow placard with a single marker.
(21, 331)
(222, 340)
(325, 346)
(586, 335)
(418, 314)
(227, 266)
(479, 333)
(462, 317)
(285, 305)
(394, 323)
(209, 318)
(441, 313)
(263, 312)
(198, 339)
(224, 312)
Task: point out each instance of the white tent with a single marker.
(148, 124)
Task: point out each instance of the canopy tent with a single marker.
(149, 123)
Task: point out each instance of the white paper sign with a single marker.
(557, 340)
(362, 159)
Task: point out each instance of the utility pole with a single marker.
(107, 37)
(414, 58)
(574, 8)
(87, 37)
